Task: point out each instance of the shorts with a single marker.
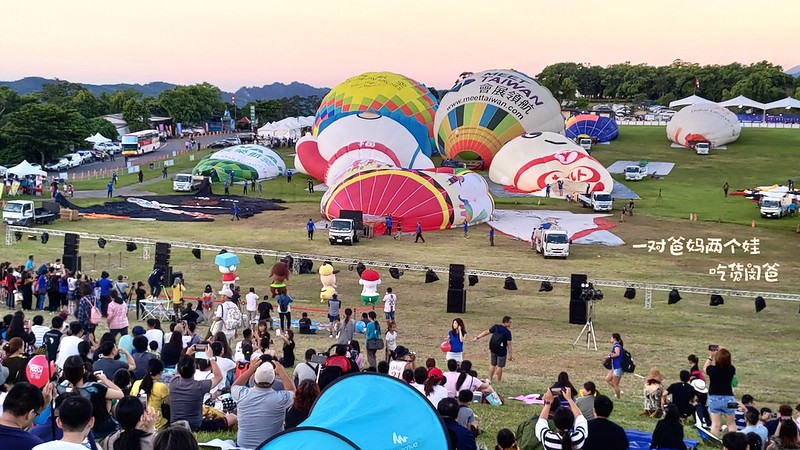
(617, 372)
(458, 356)
(216, 424)
(332, 318)
(389, 315)
(499, 361)
(718, 404)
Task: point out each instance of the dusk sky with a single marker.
(322, 42)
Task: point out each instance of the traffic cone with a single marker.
(753, 224)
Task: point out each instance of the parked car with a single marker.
(74, 159)
(86, 156)
(57, 165)
(227, 142)
(109, 147)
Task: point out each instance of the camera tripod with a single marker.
(588, 328)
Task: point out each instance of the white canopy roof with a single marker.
(97, 139)
(787, 103)
(690, 100)
(285, 126)
(24, 169)
(742, 102)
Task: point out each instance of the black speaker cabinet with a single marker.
(456, 301)
(456, 276)
(577, 312)
(575, 288)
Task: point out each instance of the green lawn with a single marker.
(762, 344)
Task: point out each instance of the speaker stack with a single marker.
(456, 294)
(163, 253)
(70, 258)
(577, 306)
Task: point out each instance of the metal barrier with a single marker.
(649, 288)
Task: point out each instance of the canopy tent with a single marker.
(787, 103)
(97, 139)
(690, 100)
(361, 422)
(25, 169)
(289, 127)
(742, 102)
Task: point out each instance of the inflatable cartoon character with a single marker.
(370, 279)
(327, 277)
(227, 263)
(278, 275)
(326, 293)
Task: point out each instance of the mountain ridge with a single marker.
(244, 94)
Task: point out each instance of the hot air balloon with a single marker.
(701, 122)
(485, 110)
(601, 128)
(388, 93)
(437, 198)
(531, 161)
(363, 140)
(246, 161)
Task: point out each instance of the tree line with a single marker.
(639, 83)
(42, 125)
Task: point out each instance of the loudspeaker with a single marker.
(70, 256)
(72, 262)
(456, 301)
(306, 266)
(289, 260)
(575, 287)
(456, 276)
(630, 293)
(71, 238)
(577, 306)
(258, 259)
(162, 256)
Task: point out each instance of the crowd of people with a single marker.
(144, 386)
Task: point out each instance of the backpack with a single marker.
(526, 435)
(496, 344)
(49, 284)
(232, 317)
(95, 316)
(241, 367)
(627, 363)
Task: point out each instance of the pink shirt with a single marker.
(117, 315)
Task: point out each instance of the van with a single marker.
(74, 159)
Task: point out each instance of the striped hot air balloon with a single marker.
(601, 128)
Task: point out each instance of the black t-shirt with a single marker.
(190, 316)
(304, 325)
(288, 354)
(667, 435)
(294, 417)
(141, 294)
(682, 394)
(16, 369)
(51, 340)
(603, 434)
(498, 344)
(264, 310)
(720, 380)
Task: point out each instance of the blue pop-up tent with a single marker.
(365, 411)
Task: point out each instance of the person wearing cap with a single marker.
(429, 384)
(261, 409)
(701, 405)
(186, 395)
(223, 310)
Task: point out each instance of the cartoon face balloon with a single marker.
(530, 162)
(703, 122)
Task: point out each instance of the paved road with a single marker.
(119, 161)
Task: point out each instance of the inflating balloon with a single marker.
(601, 128)
(703, 122)
(532, 161)
(487, 109)
(247, 162)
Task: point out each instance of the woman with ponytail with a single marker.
(467, 380)
(137, 426)
(429, 383)
(157, 392)
(506, 440)
(571, 426)
(15, 360)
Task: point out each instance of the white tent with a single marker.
(25, 169)
(786, 103)
(690, 100)
(286, 128)
(742, 102)
(97, 139)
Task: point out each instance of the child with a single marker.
(72, 284)
(391, 339)
(466, 417)
(207, 300)
(304, 324)
(336, 325)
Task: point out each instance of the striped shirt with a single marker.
(552, 441)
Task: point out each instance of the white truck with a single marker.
(702, 148)
(25, 213)
(586, 143)
(598, 201)
(636, 173)
(343, 231)
(774, 206)
(551, 242)
(186, 182)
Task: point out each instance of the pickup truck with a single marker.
(774, 206)
(598, 201)
(24, 213)
(343, 231)
(551, 241)
(635, 173)
(186, 182)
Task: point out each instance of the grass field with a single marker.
(762, 344)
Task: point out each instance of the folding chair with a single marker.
(156, 309)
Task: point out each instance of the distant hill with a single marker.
(794, 71)
(243, 95)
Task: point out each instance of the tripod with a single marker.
(588, 328)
